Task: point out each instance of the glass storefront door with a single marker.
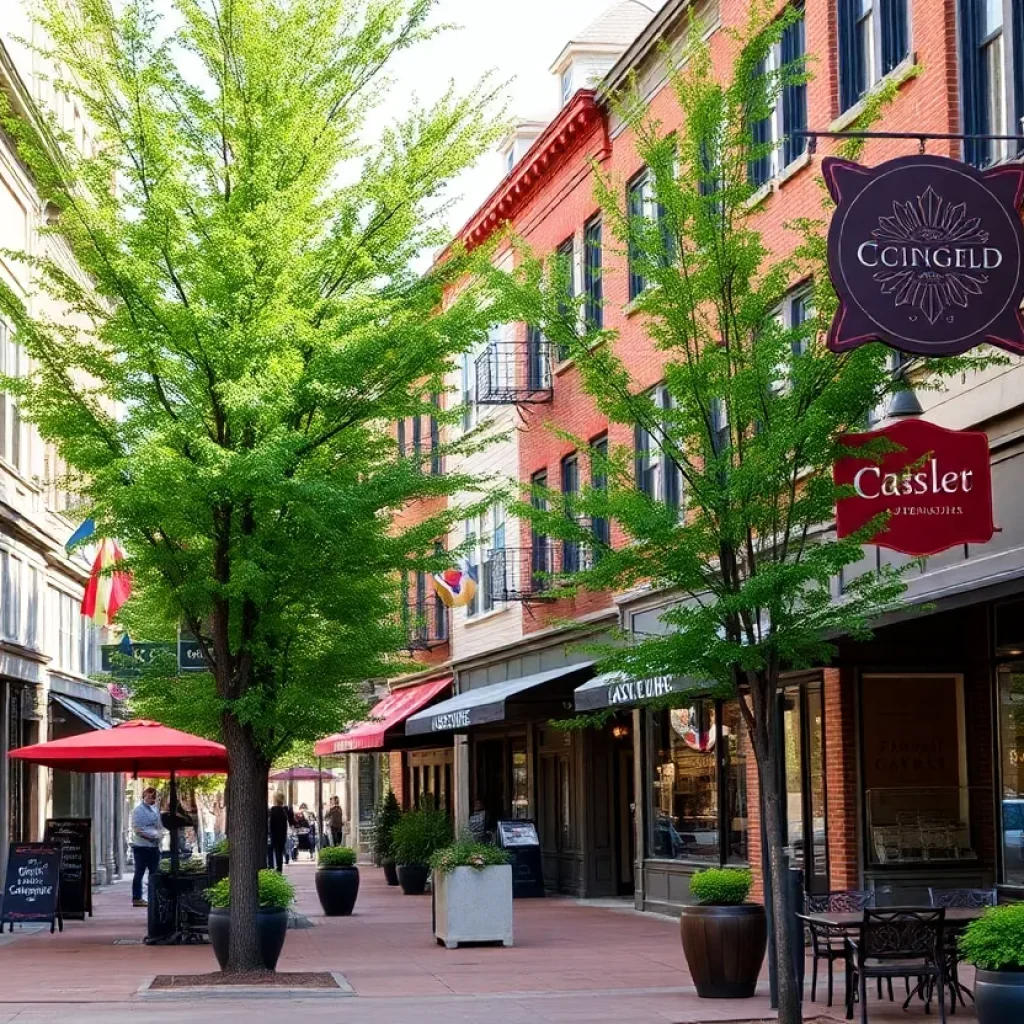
(1011, 745)
(803, 783)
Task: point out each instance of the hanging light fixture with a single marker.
(905, 403)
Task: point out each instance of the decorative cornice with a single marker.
(562, 138)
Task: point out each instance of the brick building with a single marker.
(902, 757)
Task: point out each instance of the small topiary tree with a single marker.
(336, 857)
(385, 819)
(721, 887)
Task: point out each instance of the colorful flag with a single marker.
(455, 587)
(106, 591)
(83, 533)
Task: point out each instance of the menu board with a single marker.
(74, 836)
(518, 833)
(32, 885)
(520, 839)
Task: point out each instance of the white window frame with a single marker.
(1000, 101)
(776, 127)
(656, 457)
(566, 85)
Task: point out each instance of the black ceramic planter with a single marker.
(390, 872)
(271, 926)
(999, 996)
(724, 948)
(337, 889)
(413, 878)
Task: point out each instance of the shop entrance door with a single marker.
(556, 827)
(625, 821)
(803, 783)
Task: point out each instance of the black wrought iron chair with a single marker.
(949, 898)
(829, 944)
(899, 942)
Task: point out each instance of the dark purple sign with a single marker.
(926, 255)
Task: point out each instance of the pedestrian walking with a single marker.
(147, 832)
(336, 823)
(280, 820)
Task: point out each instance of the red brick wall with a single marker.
(841, 778)
(396, 771)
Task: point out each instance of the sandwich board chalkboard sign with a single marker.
(74, 836)
(32, 885)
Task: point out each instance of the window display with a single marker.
(698, 808)
(1011, 729)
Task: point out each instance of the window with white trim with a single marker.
(11, 570)
(789, 116)
(991, 35)
(12, 364)
(566, 85)
(657, 473)
(874, 38)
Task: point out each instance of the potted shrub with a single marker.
(387, 816)
(724, 937)
(472, 894)
(276, 895)
(337, 880)
(995, 945)
(217, 860)
(416, 837)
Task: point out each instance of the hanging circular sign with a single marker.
(926, 254)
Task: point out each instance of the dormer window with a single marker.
(566, 85)
(510, 159)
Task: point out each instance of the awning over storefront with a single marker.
(80, 711)
(387, 714)
(615, 689)
(483, 704)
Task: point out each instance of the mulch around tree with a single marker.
(270, 979)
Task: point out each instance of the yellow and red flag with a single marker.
(107, 589)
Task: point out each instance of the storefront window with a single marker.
(734, 763)
(1011, 728)
(520, 782)
(691, 749)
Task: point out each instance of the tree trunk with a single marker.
(766, 753)
(247, 834)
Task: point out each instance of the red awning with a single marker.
(387, 714)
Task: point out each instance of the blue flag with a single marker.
(83, 533)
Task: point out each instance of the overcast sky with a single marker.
(519, 41)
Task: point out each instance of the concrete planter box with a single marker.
(474, 905)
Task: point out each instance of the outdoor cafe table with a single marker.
(849, 921)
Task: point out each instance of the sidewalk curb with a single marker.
(148, 994)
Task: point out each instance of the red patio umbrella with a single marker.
(138, 747)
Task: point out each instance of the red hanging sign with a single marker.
(937, 490)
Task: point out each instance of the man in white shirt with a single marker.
(146, 835)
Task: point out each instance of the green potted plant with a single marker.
(994, 944)
(217, 860)
(387, 816)
(337, 880)
(724, 937)
(416, 837)
(276, 895)
(472, 893)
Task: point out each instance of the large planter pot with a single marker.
(473, 905)
(217, 865)
(413, 878)
(999, 996)
(724, 948)
(271, 927)
(390, 872)
(337, 889)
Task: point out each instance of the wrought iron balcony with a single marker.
(515, 372)
(426, 623)
(523, 574)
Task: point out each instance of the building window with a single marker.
(565, 256)
(570, 493)
(1011, 737)
(10, 567)
(992, 100)
(510, 159)
(540, 543)
(720, 436)
(599, 525)
(468, 391)
(657, 474)
(473, 564)
(32, 619)
(400, 438)
(698, 778)
(593, 308)
(493, 560)
(435, 437)
(642, 208)
(538, 366)
(417, 438)
(874, 37)
(12, 364)
(789, 116)
(566, 85)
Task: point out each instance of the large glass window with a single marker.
(698, 808)
(1011, 733)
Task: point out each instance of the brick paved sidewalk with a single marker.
(571, 962)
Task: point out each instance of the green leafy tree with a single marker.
(754, 423)
(240, 321)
